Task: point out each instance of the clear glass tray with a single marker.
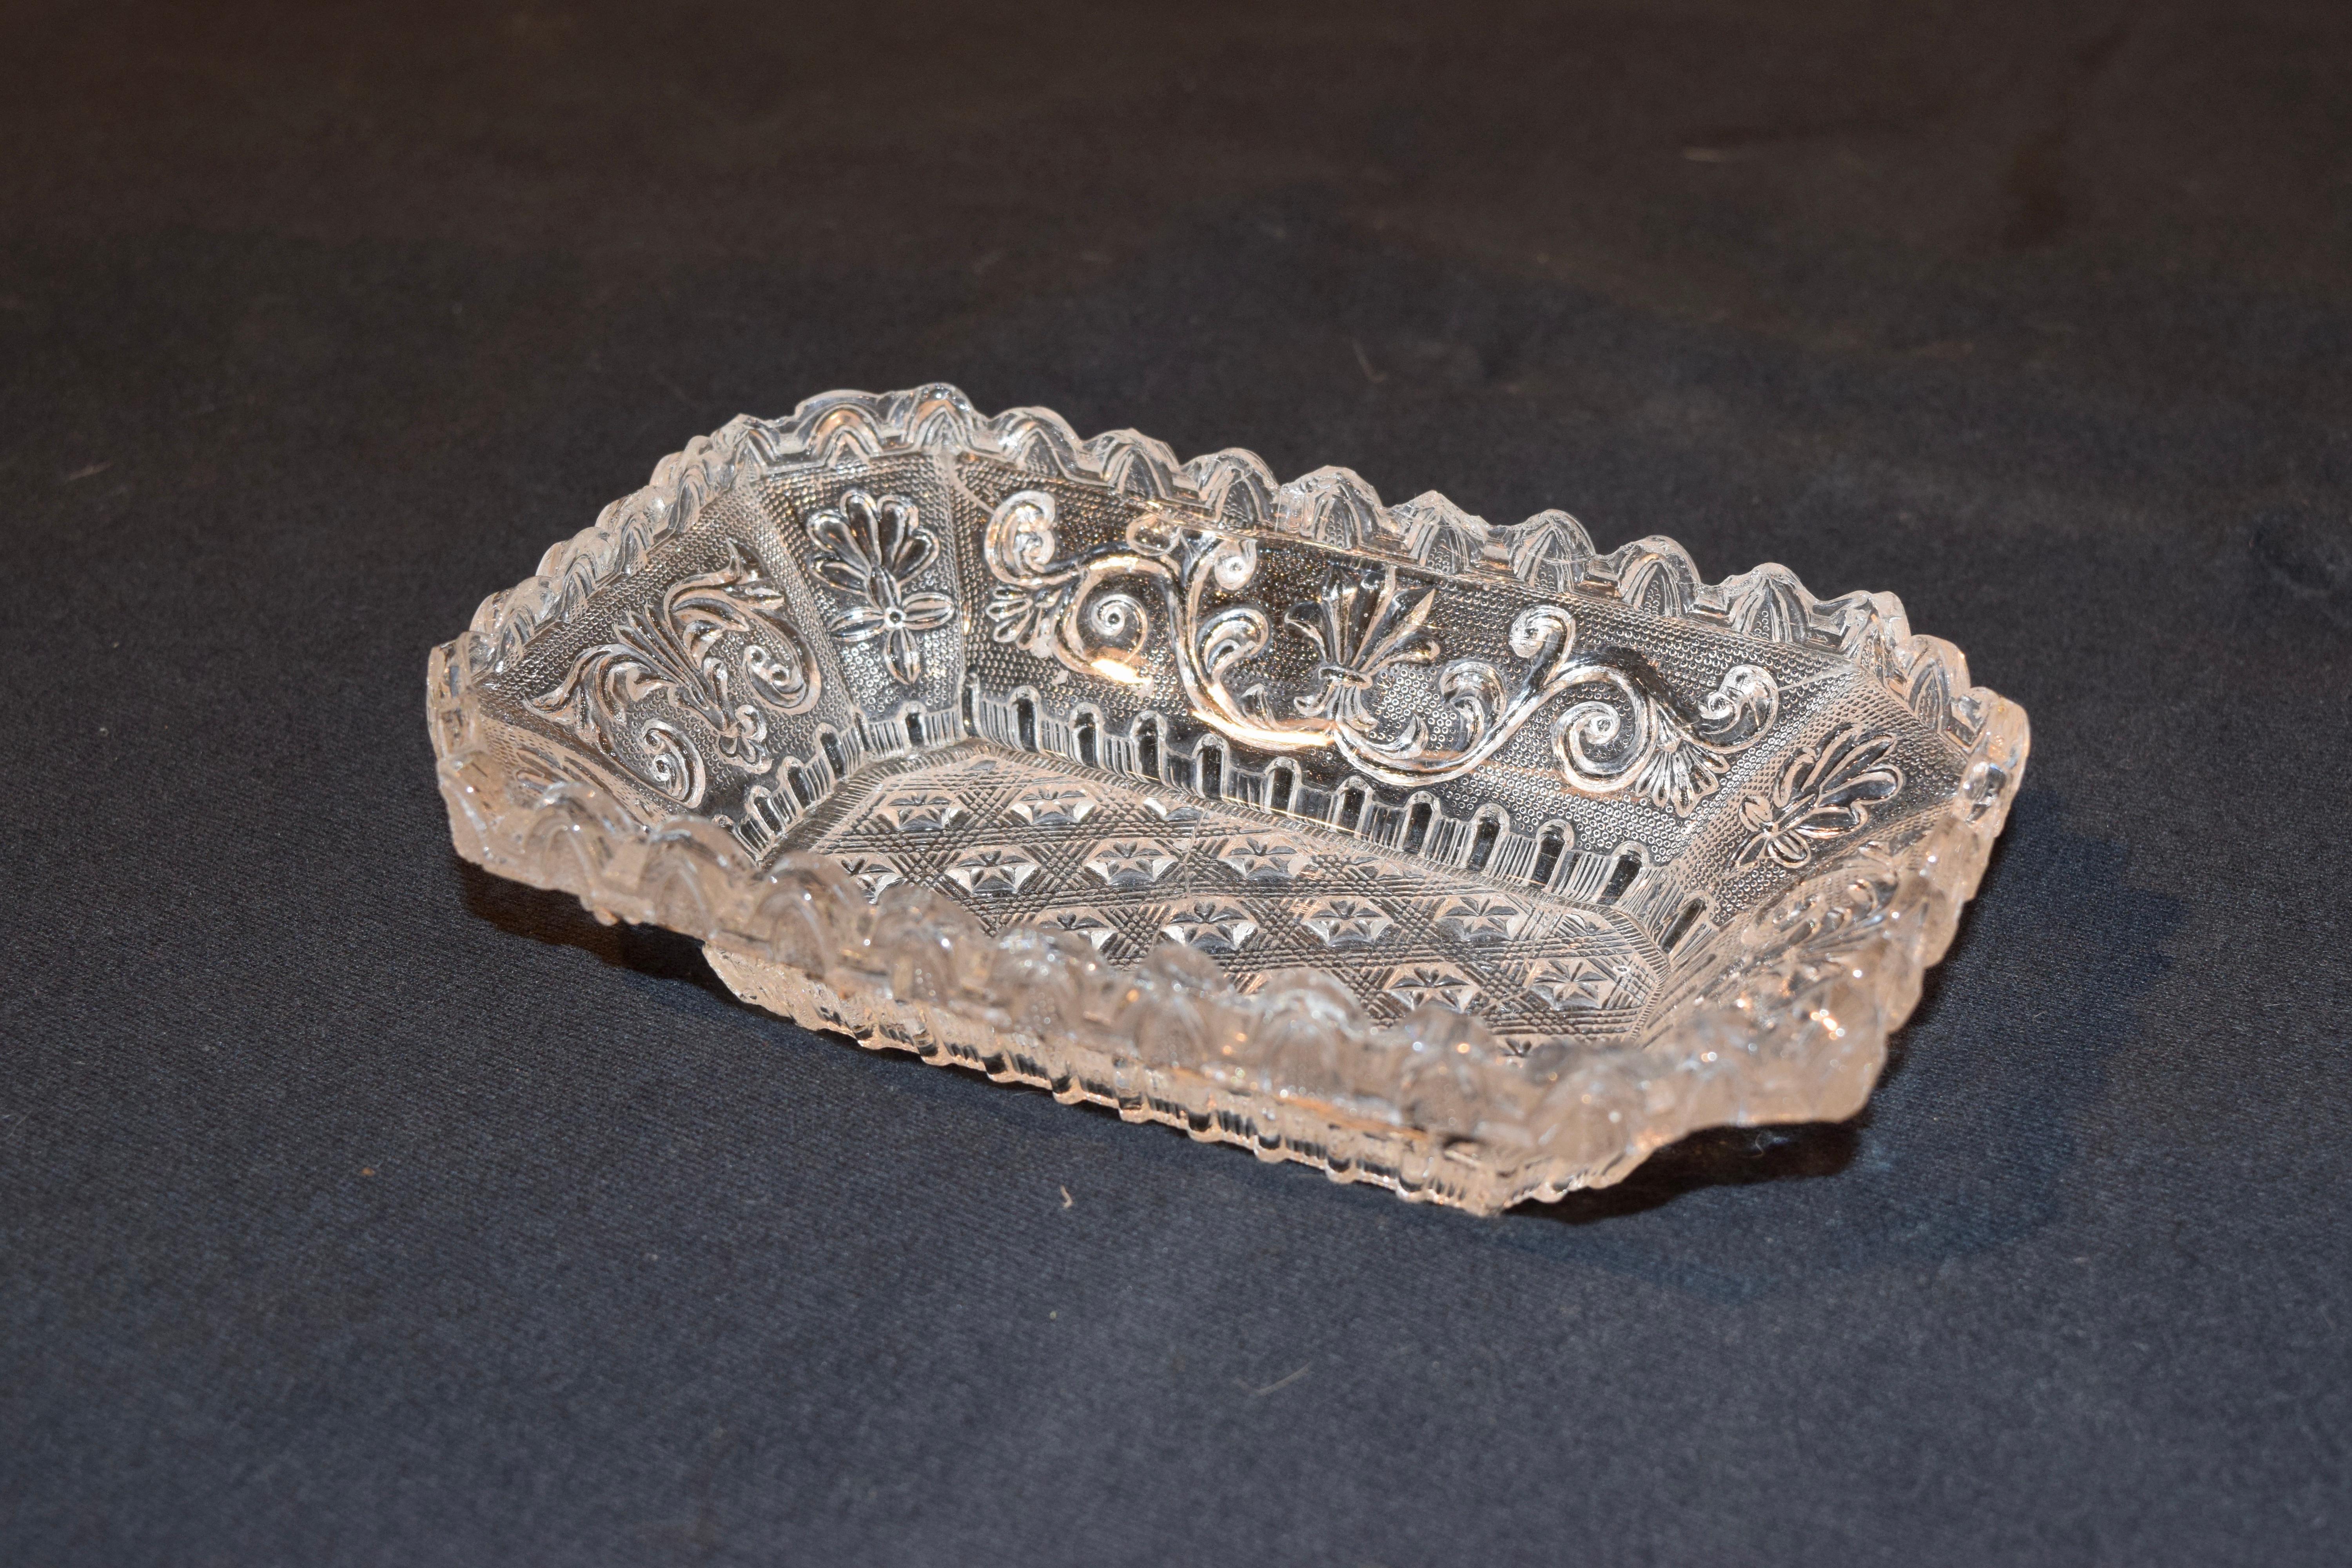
(1453, 857)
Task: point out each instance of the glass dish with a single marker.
(1456, 857)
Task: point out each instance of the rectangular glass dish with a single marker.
(1456, 857)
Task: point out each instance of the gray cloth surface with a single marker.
(356, 1207)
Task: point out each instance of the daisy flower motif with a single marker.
(872, 547)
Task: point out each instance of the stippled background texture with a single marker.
(358, 1208)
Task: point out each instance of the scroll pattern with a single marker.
(1626, 734)
(676, 652)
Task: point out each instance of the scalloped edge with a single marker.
(1331, 505)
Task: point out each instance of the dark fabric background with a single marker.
(358, 1208)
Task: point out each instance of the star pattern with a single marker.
(992, 870)
(1090, 925)
(1483, 917)
(1130, 862)
(1572, 984)
(1343, 921)
(1210, 925)
(1026, 840)
(1264, 858)
(917, 810)
(1050, 805)
(1418, 984)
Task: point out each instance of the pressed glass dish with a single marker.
(1456, 857)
